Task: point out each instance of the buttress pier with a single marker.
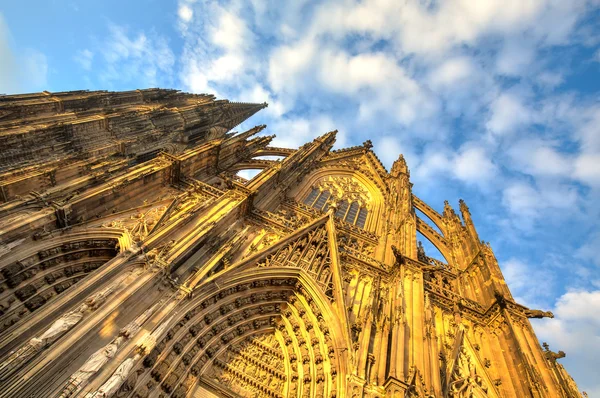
(136, 262)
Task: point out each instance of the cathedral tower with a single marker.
(136, 262)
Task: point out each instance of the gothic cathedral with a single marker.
(135, 262)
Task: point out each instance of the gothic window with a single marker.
(342, 209)
(320, 202)
(362, 217)
(310, 199)
(354, 213)
(351, 215)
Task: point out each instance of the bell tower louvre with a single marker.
(136, 262)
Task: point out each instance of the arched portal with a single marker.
(265, 332)
(40, 272)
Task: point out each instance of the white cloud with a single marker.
(230, 32)
(540, 159)
(508, 114)
(389, 148)
(587, 169)
(589, 249)
(33, 70)
(529, 203)
(140, 58)
(435, 161)
(287, 64)
(471, 164)
(516, 57)
(84, 58)
(258, 94)
(185, 13)
(452, 72)
(549, 79)
(8, 66)
(576, 330)
(519, 274)
(294, 132)
(388, 88)
(474, 165)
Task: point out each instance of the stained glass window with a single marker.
(311, 197)
(362, 217)
(322, 200)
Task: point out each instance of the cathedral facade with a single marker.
(136, 262)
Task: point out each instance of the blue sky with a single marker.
(496, 102)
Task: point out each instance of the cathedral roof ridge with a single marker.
(379, 162)
(366, 148)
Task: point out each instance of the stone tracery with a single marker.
(142, 267)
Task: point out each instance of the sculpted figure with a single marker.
(150, 341)
(94, 363)
(36, 344)
(296, 256)
(538, 314)
(133, 327)
(283, 254)
(114, 382)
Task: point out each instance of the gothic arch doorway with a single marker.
(268, 332)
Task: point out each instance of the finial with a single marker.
(399, 166)
(448, 210)
(463, 205)
(368, 144)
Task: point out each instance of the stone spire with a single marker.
(399, 167)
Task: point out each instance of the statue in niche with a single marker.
(310, 252)
(117, 378)
(94, 363)
(36, 344)
(57, 329)
(465, 377)
(296, 255)
(283, 254)
(325, 273)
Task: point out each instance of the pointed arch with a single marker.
(42, 271)
(433, 215)
(282, 302)
(375, 213)
(436, 239)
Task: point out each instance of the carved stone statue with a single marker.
(551, 355)
(538, 314)
(117, 378)
(94, 363)
(36, 344)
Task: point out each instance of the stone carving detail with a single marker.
(150, 174)
(253, 367)
(32, 282)
(465, 381)
(62, 325)
(538, 314)
(346, 188)
(551, 355)
(97, 360)
(116, 380)
(310, 253)
(94, 363)
(140, 224)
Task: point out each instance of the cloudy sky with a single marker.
(496, 102)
